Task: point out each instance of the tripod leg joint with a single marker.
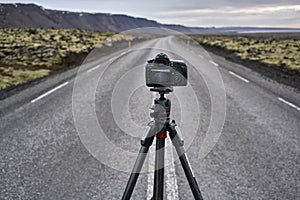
(149, 135)
(175, 134)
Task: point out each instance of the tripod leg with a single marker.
(177, 141)
(146, 142)
(158, 192)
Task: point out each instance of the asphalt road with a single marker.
(49, 147)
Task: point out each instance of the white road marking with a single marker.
(112, 59)
(201, 56)
(49, 92)
(122, 54)
(239, 77)
(289, 103)
(90, 70)
(212, 62)
(171, 180)
(150, 180)
(151, 161)
(171, 186)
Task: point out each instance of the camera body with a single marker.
(162, 72)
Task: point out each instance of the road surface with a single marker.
(256, 156)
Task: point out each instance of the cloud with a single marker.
(270, 16)
(279, 13)
(216, 4)
(231, 10)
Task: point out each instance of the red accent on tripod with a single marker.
(161, 135)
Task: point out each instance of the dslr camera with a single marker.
(163, 72)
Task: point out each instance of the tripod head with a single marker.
(162, 90)
(162, 106)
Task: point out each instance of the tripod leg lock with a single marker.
(175, 134)
(149, 135)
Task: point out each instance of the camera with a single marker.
(163, 72)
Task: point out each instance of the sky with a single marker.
(196, 13)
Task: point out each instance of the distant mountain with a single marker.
(34, 16)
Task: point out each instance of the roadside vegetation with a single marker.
(28, 54)
(273, 50)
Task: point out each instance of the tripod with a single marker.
(159, 128)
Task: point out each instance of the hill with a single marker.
(34, 16)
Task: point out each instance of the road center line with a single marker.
(150, 178)
(170, 174)
(171, 180)
(151, 167)
(289, 103)
(212, 62)
(239, 77)
(49, 92)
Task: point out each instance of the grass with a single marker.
(27, 54)
(278, 50)
(45, 47)
(9, 76)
